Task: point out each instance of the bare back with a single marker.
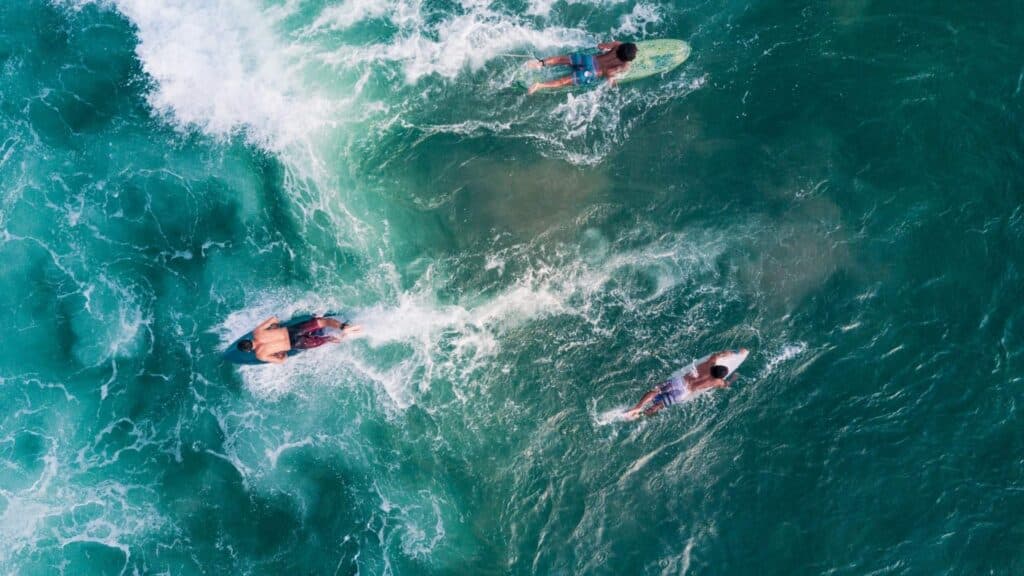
(609, 65)
(703, 379)
(270, 342)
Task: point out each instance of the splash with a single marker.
(222, 68)
(787, 353)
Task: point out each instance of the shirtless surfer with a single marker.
(709, 374)
(271, 341)
(613, 60)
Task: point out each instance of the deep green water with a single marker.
(837, 185)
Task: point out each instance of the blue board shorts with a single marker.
(584, 69)
(671, 391)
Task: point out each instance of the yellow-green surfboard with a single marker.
(652, 57)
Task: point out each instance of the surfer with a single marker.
(712, 373)
(271, 341)
(613, 60)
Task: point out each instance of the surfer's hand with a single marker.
(538, 63)
(533, 89)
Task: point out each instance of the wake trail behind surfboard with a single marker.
(614, 415)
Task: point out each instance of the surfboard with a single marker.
(731, 361)
(236, 356)
(652, 57)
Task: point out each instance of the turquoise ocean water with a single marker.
(836, 185)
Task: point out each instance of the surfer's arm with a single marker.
(277, 358)
(346, 329)
(266, 324)
(617, 73)
(328, 323)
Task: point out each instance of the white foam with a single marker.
(344, 15)
(222, 68)
(585, 127)
(587, 111)
(544, 7)
(787, 353)
(617, 414)
(471, 40)
(428, 340)
(110, 324)
(54, 508)
(18, 525)
(26, 511)
(274, 454)
(636, 23)
(451, 341)
(403, 514)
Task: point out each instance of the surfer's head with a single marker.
(245, 345)
(719, 372)
(626, 51)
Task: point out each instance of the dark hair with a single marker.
(719, 371)
(626, 52)
(245, 345)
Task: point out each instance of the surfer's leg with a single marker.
(550, 61)
(643, 401)
(654, 409)
(556, 61)
(557, 83)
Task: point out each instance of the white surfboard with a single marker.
(733, 360)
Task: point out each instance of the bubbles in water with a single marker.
(787, 353)
(593, 246)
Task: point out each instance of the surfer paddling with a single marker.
(271, 342)
(613, 60)
(718, 371)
